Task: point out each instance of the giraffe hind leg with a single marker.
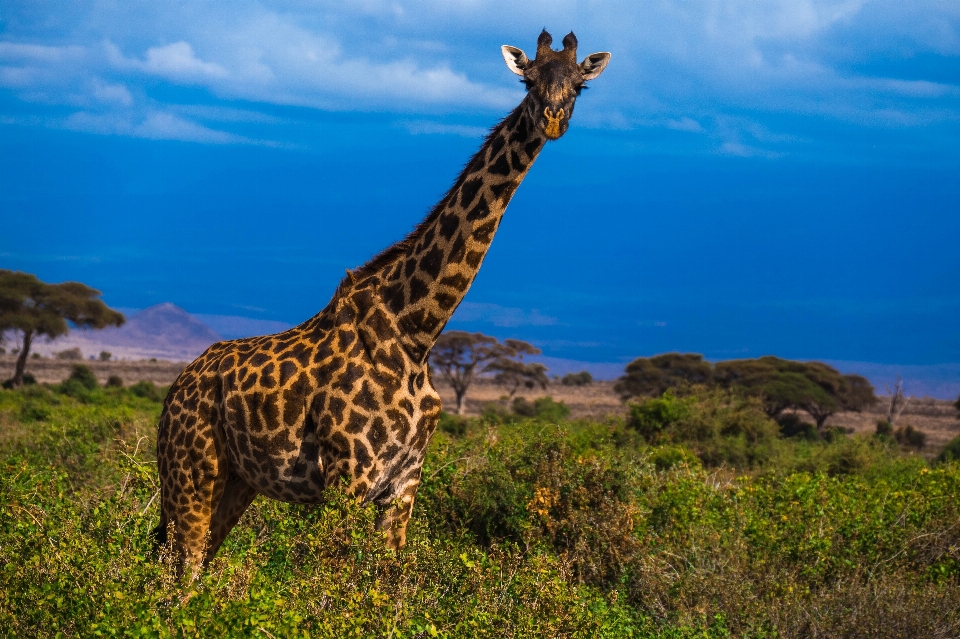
(237, 496)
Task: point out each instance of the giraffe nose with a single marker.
(552, 127)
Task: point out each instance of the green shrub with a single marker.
(884, 429)
(583, 378)
(544, 408)
(452, 424)
(669, 457)
(523, 407)
(833, 434)
(651, 417)
(951, 451)
(80, 382)
(910, 437)
(792, 426)
(147, 390)
(547, 409)
(114, 381)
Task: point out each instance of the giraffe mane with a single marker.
(390, 254)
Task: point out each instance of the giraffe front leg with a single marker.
(395, 514)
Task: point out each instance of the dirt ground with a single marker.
(936, 418)
(53, 371)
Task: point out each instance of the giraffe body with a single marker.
(346, 396)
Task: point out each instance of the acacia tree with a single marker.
(36, 308)
(655, 375)
(460, 356)
(782, 384)
(512, 372)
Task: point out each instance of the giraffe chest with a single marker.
(355, 422)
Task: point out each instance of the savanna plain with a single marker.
(566, 521)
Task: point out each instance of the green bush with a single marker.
(884, 429)
(452, 424)
(951, 451)
(523, 407)
(910, 437)
(720, 427)
(653, 416)
(583, 378)
(114, 381)
(549, 410)
(80, 382)
(147, 390)
(792, 426)
(544, 408)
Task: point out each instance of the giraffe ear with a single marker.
(515, 58)
(594, 64)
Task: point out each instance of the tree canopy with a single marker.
(460, 356)
(36, 308)
(655, 375)
(814, 387)
(511, 372)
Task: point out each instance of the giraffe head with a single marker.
(554, 80)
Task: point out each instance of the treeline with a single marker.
(781, 385)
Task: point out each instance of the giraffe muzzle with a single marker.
(552, 128)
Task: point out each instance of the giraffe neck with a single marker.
(423, 278)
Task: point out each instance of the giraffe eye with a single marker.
(527, 83)
(581, 88)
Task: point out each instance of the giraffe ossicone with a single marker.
(345, 397)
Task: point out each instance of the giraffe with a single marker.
(346, 395)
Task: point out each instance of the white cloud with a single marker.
(678, 64)
(685, 124)
(155, 125)
(178, 61)
(111, 93)
(497, 315)
(426, 127)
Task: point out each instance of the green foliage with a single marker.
(147, 390)
(544, 408)
(453, 424)
(583, 378)
(911, 437)
(70, 354)
(84, 376)
(792, 426)
(653, 416)
(720, 427)
(951, 451)
(80, 382)
(114, 381)
(814, 387)
(521, 530)
(655, 375)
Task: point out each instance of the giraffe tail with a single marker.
(159, 535)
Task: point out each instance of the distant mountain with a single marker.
(164, 331)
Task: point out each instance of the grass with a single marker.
(521, 529)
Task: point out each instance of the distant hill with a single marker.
(164, 331)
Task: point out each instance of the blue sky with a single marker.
(744, 179)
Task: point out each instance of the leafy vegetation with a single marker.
(583, 378)
(781, 384)
(695, 517)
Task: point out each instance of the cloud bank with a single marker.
(727, 71)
